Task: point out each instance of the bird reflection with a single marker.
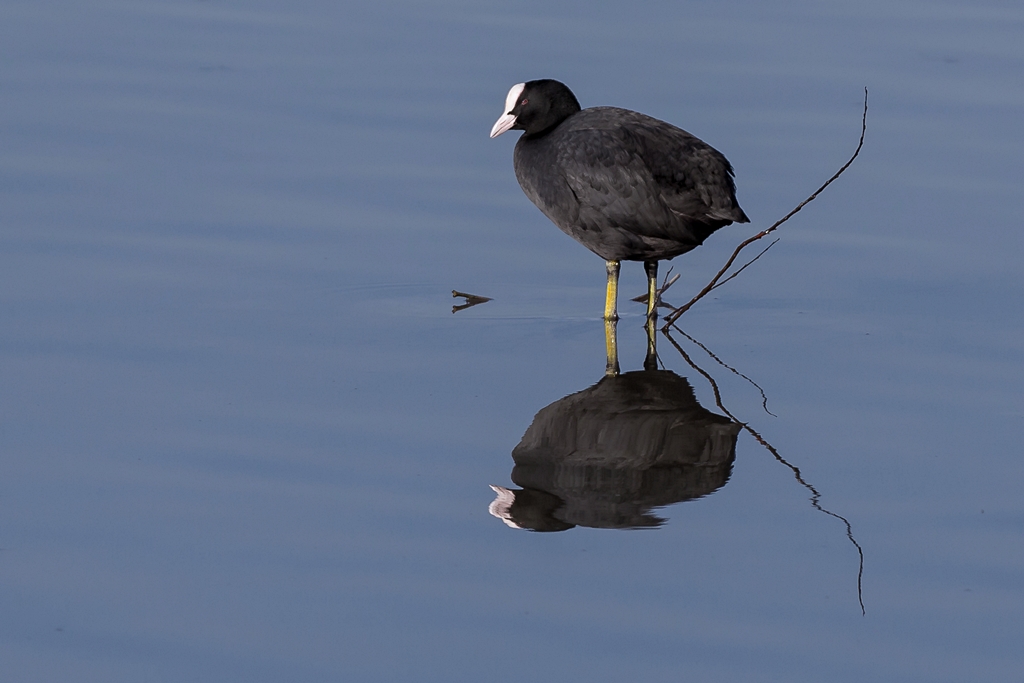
(606, 456)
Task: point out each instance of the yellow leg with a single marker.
(612, 294)
(651, 360)
(611, 368)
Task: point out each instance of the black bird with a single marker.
(625, 185)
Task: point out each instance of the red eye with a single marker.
(524, 102)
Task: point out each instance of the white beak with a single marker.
(508, 120)
(502, 125)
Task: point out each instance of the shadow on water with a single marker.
(606, 456)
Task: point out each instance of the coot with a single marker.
(625, 185)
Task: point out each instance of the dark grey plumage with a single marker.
(625, 185)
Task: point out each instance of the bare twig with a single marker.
(666, 283)
(744, 266)
(674, 315)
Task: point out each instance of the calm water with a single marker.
(244, 438)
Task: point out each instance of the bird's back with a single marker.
(628, 186)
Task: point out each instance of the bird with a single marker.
(627, 186)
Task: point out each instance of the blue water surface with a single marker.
(244, 438)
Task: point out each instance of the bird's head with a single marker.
(536, 107)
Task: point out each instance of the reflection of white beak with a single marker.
(502, 125)
(501, 506)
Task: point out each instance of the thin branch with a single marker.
(744, 266)
(666, 283)
(672, 317)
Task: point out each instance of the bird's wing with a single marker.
(647, 177)
(695, 179)
(612, 185)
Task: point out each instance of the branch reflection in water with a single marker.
(815, 495)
